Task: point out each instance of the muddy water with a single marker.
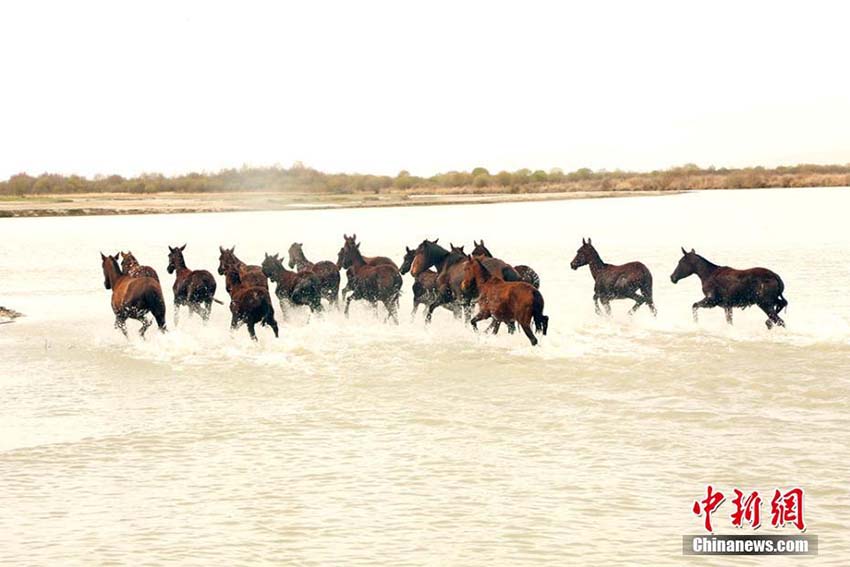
(354, 442)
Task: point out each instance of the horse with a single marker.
(249, 303)
(424, 285)
(326, 271)
(727, 287)
(370, 260)
(449, 267)
(131, 267)
(298, 288)
(252, 275)
(192, 288)
(505, 302)
(526, 273)
(132, 297)
(615, 282)
(381, 283)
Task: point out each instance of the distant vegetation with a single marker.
(302, 179)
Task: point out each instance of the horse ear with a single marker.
(182, 248)
(407, 248)
(353, 237)
(436, 241)
(102, 257)
(683, 251)
(276, 255)
(357, 246)
(583, 241)
(693, 251)
(461, 248)
(588, 240)
(220, 248)
(482, 242)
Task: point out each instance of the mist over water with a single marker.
(349, 441)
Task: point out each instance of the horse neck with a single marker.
(439, 257)
(482, 276)
(704, 268)
(301, 261)
(179, 264)
(113, 273)
(357, 260)
(595, 263)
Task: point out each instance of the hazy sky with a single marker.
(129, 87)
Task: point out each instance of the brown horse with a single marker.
(298, 288)
(249, 304)
(252, 275)
(132, 297)
(381, 283)
(615, 282)
(450, 269)
(370, 261)
(526, 273)
(192, 288)
(424, 285)
(505, 302)
(326, 271)
(727, 287)
(131, 267)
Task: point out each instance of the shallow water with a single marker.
(352, 441)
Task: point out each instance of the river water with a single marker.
(356, 442)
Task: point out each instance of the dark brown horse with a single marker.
(326, 271)
(727, 287)
(297, 288)
(249, 303)
(526, 273)
(615, 282)
(424, 285)
(132, 297)
(251, 275)
(505, 302)
(381, 283)
(370, 261)
(131, 267)
(193, 288)
(450, 269)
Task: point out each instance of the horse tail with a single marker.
(541, 321)
(781, 303)
(156, 305)
(220, 302)
(646, 287)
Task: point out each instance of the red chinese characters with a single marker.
(708, 505)
(747, 509)
(787, 508)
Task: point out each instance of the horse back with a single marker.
(743, 286)
(500, 268)
(142, 293)
(380, 261)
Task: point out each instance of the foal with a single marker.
(370, 261)
(299, 288)
(381, 283)
(424, 285)
(192, 288)
(615, 282)
(131, 267)
(249, 304)
(247, 274)
(727, 287)
(505, 302)
(327, 272)
(526, 273)
(132, 297)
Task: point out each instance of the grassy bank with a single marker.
(301, 187)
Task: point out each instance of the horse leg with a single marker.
(145, 324)
(526, 327)
(270, 321)
(638, 299)
(511, 327)
(121, 325)
(207, 310)
(176, 313)
(494, 326)
(772, 317)
(728, 311)
(606, 303)
(347, 303)
(480, 316)
(705, 303)
(392, 309)
(251, 331)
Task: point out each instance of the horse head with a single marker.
(686, 267)
(409, 255)
(226, 259)
(427, 254)
(584, 255)
(128, 261)
(296, 251)
(110, 267)
(480, 249)
(175, 258)
(272, 266)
